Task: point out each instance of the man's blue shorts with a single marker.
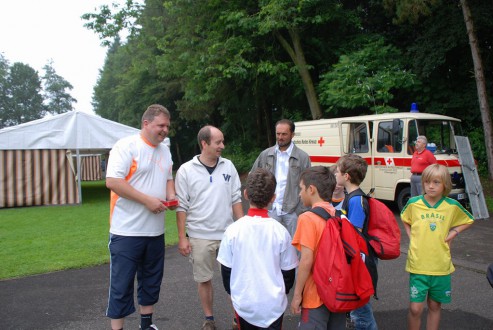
(130, 256)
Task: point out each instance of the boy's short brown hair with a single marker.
(260, 187)
(437, 171)
(353, 165)
(322, 178)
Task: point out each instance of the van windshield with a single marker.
(440, 134)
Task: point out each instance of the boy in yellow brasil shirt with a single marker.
(432, 221)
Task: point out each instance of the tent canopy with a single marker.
(36, 157)
(74, 130)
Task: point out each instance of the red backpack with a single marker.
(339, 272)
(380, 228)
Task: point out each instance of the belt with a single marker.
(416, 173)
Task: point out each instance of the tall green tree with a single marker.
(25, 101)
(411, 11)
(106, 90)
(286, 20)
(4, 93)
(233, 64)
(366, 79)
(56, 91)
(211, 45)
(479, 75)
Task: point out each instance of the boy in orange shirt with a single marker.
(317, 185)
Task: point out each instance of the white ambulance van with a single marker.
(386, 142)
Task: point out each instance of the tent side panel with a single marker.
(71, 181)
(90, 168)
(35, 178)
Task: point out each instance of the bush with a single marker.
(476, 139)
(241, 158)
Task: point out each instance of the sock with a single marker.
(209, 318)
(145, 321)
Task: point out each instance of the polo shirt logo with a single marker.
(226, 177)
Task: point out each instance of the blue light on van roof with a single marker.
(414, 107)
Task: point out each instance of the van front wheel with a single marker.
(403, 197)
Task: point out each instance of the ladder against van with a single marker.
(474, 189)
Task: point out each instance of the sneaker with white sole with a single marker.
(151, 327)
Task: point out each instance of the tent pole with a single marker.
(79, 184)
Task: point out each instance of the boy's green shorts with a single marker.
(437, 287)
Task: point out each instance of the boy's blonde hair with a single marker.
(437, 171)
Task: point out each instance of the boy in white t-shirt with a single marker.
(257, 259)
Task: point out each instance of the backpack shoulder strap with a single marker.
(321, 212)
(357, 192)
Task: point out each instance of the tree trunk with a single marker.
(263, 121)
(178, 153)
(480, 84)
(298, 57)
(271, 136)
(259, 114)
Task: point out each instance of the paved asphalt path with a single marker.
(76, 299)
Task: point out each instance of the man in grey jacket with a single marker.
(286, 161)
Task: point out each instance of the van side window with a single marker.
(355, 137)
(389, 136)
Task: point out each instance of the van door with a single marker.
(388, 154)
(355, 139)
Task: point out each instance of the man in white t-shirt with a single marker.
(257, 259)
(140, 179)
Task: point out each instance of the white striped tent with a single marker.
(43, 162)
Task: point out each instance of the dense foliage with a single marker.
(242, 65)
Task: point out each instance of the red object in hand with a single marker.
(173, 202)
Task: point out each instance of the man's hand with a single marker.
(184, 246)
(155, 205)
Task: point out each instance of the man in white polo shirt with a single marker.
(208, 188)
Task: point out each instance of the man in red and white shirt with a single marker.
(422, 158)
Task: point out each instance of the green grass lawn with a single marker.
(35, 240)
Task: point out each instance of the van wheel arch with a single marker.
(403, 197)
